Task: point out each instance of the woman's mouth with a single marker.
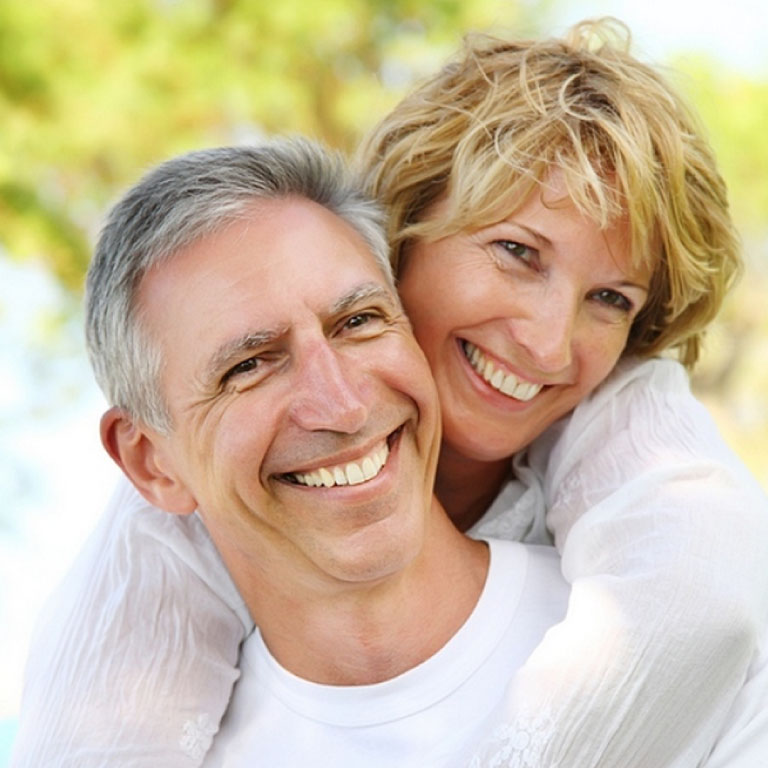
(506, 383)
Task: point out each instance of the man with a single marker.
(243, 321)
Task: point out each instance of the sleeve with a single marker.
(663, 535)
(133, 660)
(743, 742)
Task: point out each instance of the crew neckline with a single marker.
(425, 684)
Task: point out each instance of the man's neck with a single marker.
(373, 633)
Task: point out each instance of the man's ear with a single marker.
(140, 454)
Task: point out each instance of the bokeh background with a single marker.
(93, 92)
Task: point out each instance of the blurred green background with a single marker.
(94, 92)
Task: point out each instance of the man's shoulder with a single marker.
(539, 585)
(542, 557)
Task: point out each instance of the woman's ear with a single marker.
(141, 455)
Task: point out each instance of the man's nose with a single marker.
(327, 394)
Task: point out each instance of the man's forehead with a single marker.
(268, 228)
(281, 261)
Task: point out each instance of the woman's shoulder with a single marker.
(645, 409)
(663, 376)
(635, 390)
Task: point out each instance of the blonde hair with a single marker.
(486, 131)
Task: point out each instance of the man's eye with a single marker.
(519, 251)
(611, 298)
(358, 320)
(246, 366)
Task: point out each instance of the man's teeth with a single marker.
(353, 473)
(508, 384)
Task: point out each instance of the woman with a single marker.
(556, 220)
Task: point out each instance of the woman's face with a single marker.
(521, 320)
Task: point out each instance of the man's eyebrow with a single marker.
(360, 293)
(234, 349)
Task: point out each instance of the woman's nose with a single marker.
(547, 331)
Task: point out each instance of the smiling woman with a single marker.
(541, 302)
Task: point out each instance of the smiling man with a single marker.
(243, 322)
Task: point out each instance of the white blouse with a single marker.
(662, 533)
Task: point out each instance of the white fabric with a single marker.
(743, 742)
(133, 661)
(662, 533)
(432, 715)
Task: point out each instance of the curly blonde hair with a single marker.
(486, 131)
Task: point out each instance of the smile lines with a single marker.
(352, 473)
(508, 384)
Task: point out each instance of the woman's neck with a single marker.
(467, 487)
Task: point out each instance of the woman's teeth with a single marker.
(508, 384)
(353, 473)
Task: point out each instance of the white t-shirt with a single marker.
(663, 535)
(432, 715)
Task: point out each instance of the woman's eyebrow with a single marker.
(632, 284)
(534, 233)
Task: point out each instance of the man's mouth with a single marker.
(506, 383)
(349, 473)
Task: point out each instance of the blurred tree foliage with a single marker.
(734, 110)
(92, 92)
(732, 378)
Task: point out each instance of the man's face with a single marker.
(305, 420)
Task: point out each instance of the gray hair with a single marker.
(176, 204)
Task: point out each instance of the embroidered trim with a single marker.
(197, 736)
(518, 745)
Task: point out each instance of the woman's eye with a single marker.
(614, 299)
(518, 250)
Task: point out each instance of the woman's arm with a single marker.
(743, 742)
(663, 535)
(135, 655)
